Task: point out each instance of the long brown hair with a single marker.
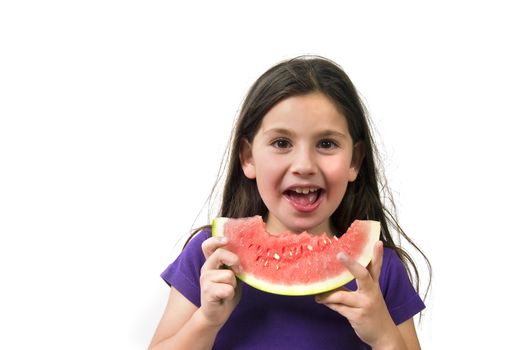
(366, 198)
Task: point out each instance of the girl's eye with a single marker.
(327, 144)
(281, 143)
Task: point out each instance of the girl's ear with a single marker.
(247, 160)
(358, 154)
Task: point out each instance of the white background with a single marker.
(114, 116)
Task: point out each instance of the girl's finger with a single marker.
(211, 244)
(222, 257)
(219, 292)
(340, 297)
(377, 261)
(218, 276)
(347, 311)
(362, 275)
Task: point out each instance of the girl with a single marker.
(303, 158)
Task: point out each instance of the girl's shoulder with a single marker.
(390, 256)
(196, 239)
(184, 272)
(391, 265)
(401, 297)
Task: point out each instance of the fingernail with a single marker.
(342, 257)
(223, 240)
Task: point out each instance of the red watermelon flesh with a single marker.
(295, 264)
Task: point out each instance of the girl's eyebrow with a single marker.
(279, 131)
(323, 133)
(332, 133)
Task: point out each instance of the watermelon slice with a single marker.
(295, 264)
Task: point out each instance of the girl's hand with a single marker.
(364, 308)
(220, 292)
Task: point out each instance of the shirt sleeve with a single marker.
(184, 273)
(400, 296)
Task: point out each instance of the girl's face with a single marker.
(302, 159)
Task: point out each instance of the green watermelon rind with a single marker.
(329, 284)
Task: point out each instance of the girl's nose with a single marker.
(303, 163)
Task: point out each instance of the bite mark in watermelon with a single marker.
(295, 264)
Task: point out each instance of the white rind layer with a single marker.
(297, 289)
(217, 226)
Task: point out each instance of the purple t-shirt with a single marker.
(269, 321)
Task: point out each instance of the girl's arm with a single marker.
(408, 333)
(182, 326)
(404, 338)
(366, 310)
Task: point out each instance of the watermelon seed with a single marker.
(276, 256)
(309, 247)
(277, 267)
(266, 263)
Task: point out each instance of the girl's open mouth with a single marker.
(304, 199)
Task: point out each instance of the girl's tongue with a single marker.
(303, 199)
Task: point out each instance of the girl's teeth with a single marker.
(303, 196)
(305, 190)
